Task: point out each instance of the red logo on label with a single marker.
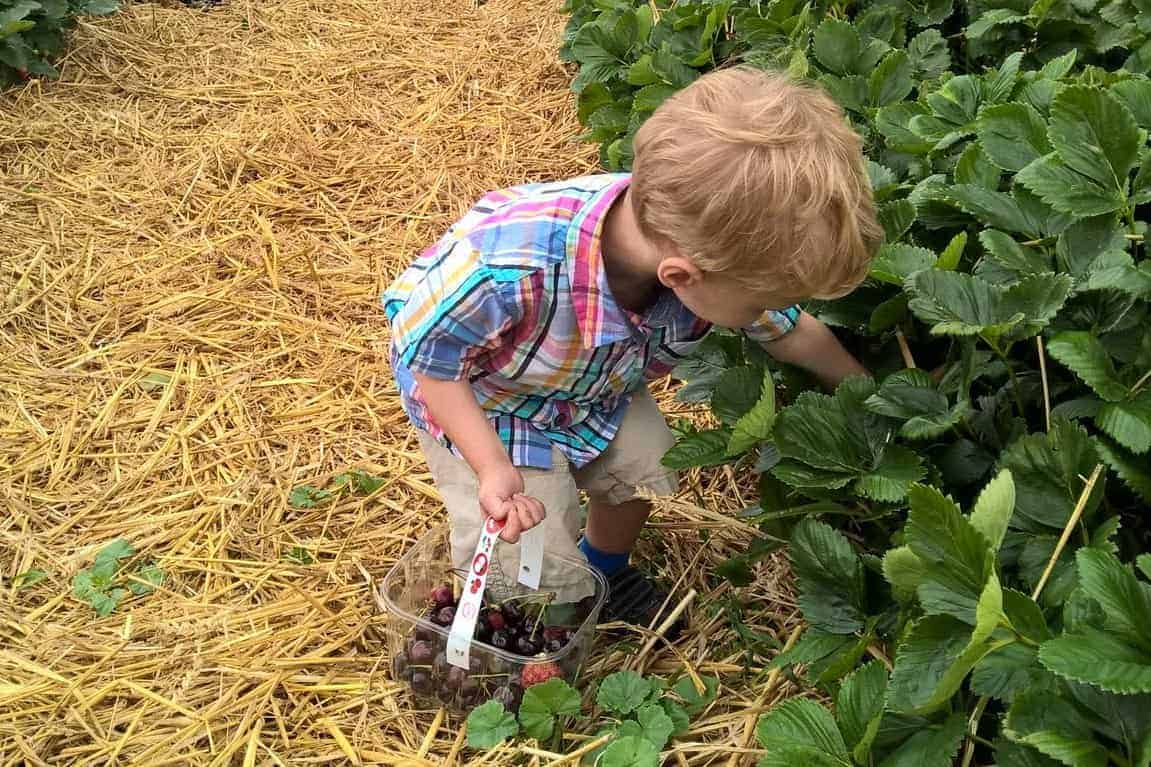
(493, 525)
(480, 564)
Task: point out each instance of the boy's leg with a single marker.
(557, 490)
(616, 516)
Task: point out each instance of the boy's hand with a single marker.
(502, 497)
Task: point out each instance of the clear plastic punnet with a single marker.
(563, 631)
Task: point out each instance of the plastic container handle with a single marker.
(472, 599)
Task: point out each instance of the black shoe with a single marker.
(634, 598)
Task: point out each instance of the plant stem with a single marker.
(1014, 380)
(972, 729)
(1072, 521)
(1043, 374)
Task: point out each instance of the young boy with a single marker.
(523, 338)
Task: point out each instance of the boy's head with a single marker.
(755, 186)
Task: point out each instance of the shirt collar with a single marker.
(601, 320)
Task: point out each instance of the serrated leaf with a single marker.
(907, 394)
(1112, 584)
(1054, 727)
(929, 54)
(896, 217)
(1095, 135)
(897, 469)
(957, 559)
(1133, 472)
(1048, 470)
(828, 432)
(958, 101)
(655, 724)
(544, 702)
(755, 425)
(837, 46)
(975, 168)
(29, 578)
(949, 259)
(693, 700)
(623, 692)
(800, 731)
(812, 648)
(629, 751)
(113, 552)
(681, 722)
(996, 17)
(994, 507)
(1085, 355)
(1143, 562)
(894, 263)
(830, 577)
(859, 708)
(308, 497)
(894, 122)
(1006, 671)
(490, 724)
(1128, 423)
(1100, 659)
(997, 209)
(934, 745)
(1136, 96)
(1067, 191)
(736, 392)
(701, 449)
(149, 578)
(1009, 255)
(891, 81)
(888, 314)
(1013, 135)
(904, 571)
(961, 304)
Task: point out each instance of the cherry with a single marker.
(421, 653)
(494, 620)
(456, 677)
(512, 612)
(444, 616)
(421, 681)
(400, 664)
(525, 645)
(442, 596)
(501, 640)
(555, 645)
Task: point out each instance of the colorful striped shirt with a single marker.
(515, 299)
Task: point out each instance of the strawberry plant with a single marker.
(105, 584)
(1006, 324)
(32, 33)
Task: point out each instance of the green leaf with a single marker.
(755, 425)
(929, 54)
(100, 7)
(975, 167)
(105, 603)
(1013, 135)
(830, 577)
(308, 497)
(930, 664)
(1128, 423)
(1113, 585)
(29, 578)
(859, 708)
(931, 746)
(992, 208)
(993, 509)
(1095, 135)
(1085, 355)
(1067, 191)
(1143, 562)
(961, 304)
(813, 648)
(828, 432)
(681, 722)
(904, 571)
(113, 552)
(1007, 671)
(800, 731)
(994, 18)
(888, 314)
(913, 396)
(693, 700)
(736, 393)
(957, 102)
(623, 692)
(1006, 253)
(957, 559)
(655, 724)
(703, 448)
(949, 258)
(837, 47)
(544, 702)
(649, 97)
(1048, 471)
(1132, 471)
(897, 469)
(893, 123)
(1136, 96)
(895, 262)
(629, 751)
(896, 217)
(149, 577)
(891, 81)
(1097, 658)
(490, 724)
(1054, 727)
(299, 555)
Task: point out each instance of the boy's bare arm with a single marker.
(812, 346)
(501, 486)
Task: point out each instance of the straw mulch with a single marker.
(195, 225)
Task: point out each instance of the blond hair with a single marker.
(761, 178)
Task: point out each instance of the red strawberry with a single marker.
(534, 673)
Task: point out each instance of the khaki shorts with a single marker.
(631, 461)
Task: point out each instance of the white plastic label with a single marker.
(472, 599)
(531, 557)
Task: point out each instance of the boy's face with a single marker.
(717, 298)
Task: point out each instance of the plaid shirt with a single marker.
(514, 298)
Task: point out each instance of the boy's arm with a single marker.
(501, 486)
(812, 346)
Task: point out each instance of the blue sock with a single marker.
(606, 563)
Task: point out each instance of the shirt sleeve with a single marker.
(773, 325)
(453, 310)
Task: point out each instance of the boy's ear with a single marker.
(678, 272)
